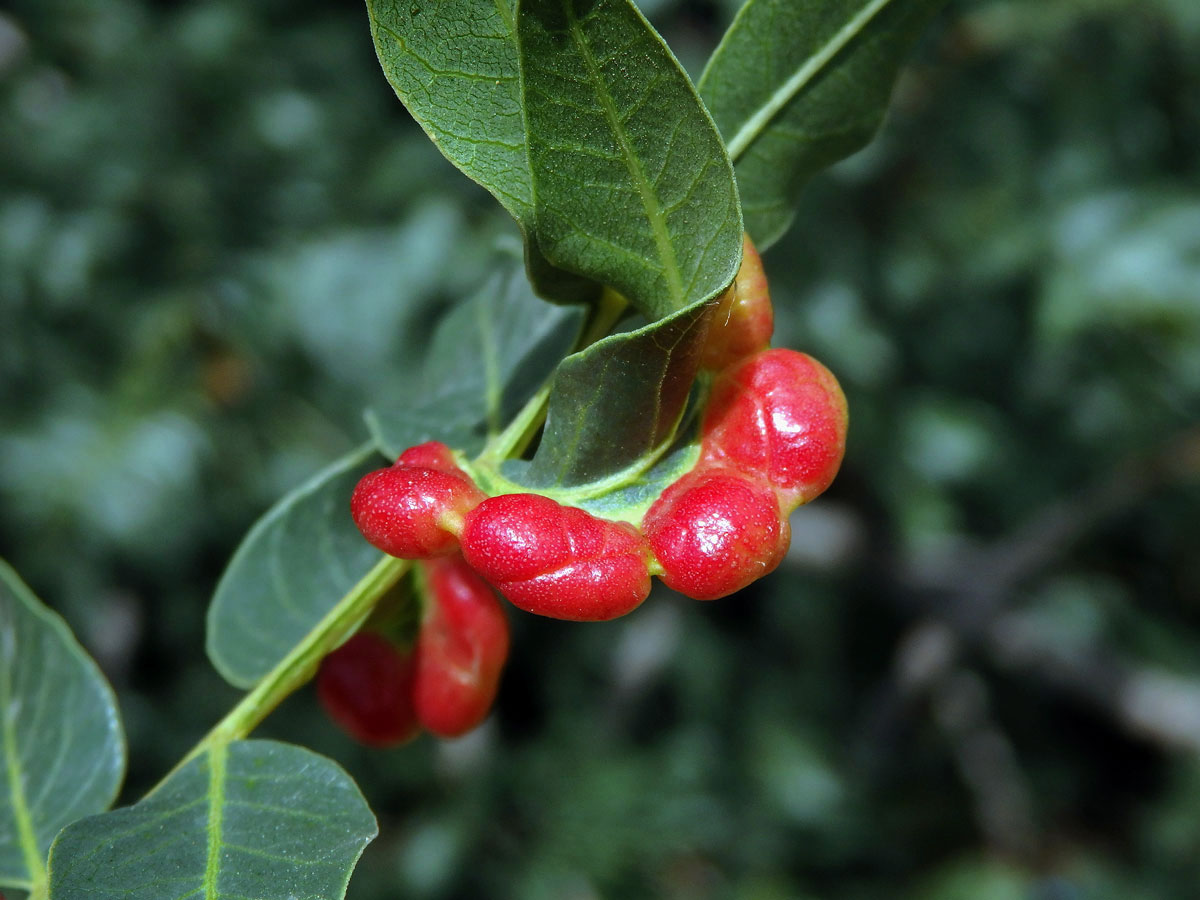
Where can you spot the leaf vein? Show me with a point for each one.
(216, 796)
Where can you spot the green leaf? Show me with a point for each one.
(487, 357)
(614, 407)
(417, 419)
(63, 748)
(454, 65)
(631, 183)
(796, 85)
(292, 567)
(249, 819)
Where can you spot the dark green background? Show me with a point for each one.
(978, 674)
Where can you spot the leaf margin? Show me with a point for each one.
(356, 456)
(24, 594)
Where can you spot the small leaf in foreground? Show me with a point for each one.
(291, 568)
(796, 85)
(254, 819)
(63, 749)
(631, 183)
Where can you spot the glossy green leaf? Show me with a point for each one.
(796, 85)
(251, 819)
(631, 183)
(295, 563)
(486, 358)
(62, 744)
(614, 407)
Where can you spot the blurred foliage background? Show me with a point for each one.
(978, 673)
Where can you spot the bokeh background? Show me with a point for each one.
(978, 673)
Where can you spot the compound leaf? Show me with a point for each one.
(291, 568)
(62, 744)
(631, 183)
(796, 85)
(254, 819)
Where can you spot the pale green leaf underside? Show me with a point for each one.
(631, 183)
(251, 819)
(62, 744)
(796, 85)
(291, 568)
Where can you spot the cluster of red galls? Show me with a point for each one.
(383, 691)
(772, 437)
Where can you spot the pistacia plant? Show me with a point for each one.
(604, 411)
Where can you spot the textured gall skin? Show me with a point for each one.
(714, 532)
(365, 686)
(556, 560)
(779, 416)
(413, 512)
(744, 320)
(431, 455)
(461, 649)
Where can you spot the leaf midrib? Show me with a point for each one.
(654, 213)
(217, 758)
(786, 92)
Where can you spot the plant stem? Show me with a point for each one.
(301, 663)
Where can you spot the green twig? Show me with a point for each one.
(301, 663)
